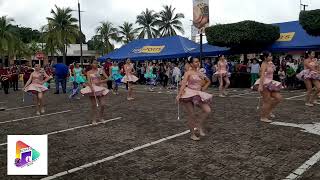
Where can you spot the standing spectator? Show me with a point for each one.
(176, 74)
(292, 68)
(106, 68)
(49, 71)
(4, 79)
(26, 73)
(14, 77)
(254, 70)
(208, 68)
(61, 74)
(282, 77)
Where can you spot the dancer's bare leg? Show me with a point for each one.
(206, 110)
(226, 79)
(266, 106)
(221, 88)
(315, 95)
(102, 104)
(276, 99)
(130, 89)
(40, 102)
(191, 119)
(37, 104)
(308, 84)
(93, 110)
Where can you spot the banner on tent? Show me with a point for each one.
(286, 37)
(201, 13)
(149, 49)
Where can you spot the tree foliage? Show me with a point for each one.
(107, 33)
(245, 34)
(310, 21)
(127, 32)
(169, 22)
(147, 21)
(63, 28)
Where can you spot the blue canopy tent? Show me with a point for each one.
(153, 49)
(294, 38)
(209, 50)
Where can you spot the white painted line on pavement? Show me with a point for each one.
(304, 94)
(113, 156)
(22, 107)
(238, 95)
(33, 117)
(304, 167)
(84, 126)
(78, 127)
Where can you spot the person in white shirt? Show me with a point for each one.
(176, 74)
(255, 69)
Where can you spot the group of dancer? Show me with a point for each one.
(192, 88)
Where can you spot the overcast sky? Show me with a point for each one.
(33, 13)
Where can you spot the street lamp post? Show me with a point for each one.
(79, 16)
(303, 5)
(81, 60)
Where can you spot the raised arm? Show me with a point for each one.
(47, 78)
(207, 84)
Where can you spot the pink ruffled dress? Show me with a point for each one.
(308, 73)
(129, 77)
(98, 89)
(222, 69)
(192, 93)
(36, 86)
(268, 83)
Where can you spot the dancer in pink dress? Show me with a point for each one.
(96, 92)
(191, 94)
(311, 76)
(268, 88)
(223, 75)
(129, 78)
(35, 85)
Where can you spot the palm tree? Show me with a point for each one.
(21, 50)
(107, 33)
(127, 33)
(148, 22)
(48, 37)
(169, 22)
(7, 37)
(64, 28)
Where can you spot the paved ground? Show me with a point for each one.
(238, 146)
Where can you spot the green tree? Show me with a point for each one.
(96, 43)
(245, 35)
(48, 37)
(7, 36)
(64, 28)
(21, 50)
(310, 21)
(83, 39)
(148, 24)
(127, 32)
(26, 34)
(108, 33)
(169, 22)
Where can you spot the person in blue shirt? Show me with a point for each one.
(61, 74)
(208, 68)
